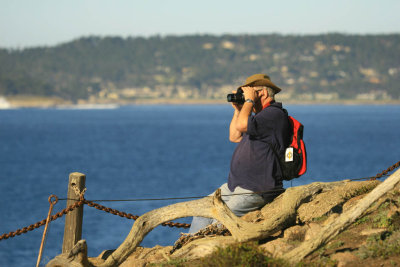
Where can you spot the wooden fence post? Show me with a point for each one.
(73, 219)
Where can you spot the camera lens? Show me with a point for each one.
(231, 97)
(236, 98)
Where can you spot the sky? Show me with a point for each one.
(30, 23)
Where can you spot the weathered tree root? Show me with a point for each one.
(214, 207)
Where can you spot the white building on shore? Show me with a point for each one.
(4, 104)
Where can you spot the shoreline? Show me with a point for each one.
(58, 103)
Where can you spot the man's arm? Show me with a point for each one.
(235, 136)
(245, 112)
(243, 117)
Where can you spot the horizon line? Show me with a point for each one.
(165, 35)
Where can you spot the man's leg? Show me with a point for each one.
(240, 202)
(201, 222)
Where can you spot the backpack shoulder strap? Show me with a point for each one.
(276, 155)
(281, 108)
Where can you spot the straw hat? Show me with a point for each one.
(261, 80)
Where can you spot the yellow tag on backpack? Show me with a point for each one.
(289, 154)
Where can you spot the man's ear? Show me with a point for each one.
(265, 91)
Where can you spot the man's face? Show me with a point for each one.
(258, 90)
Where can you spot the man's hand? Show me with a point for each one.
(249, 93)
(236, 106)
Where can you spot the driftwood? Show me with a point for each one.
(214, 207)
(344, 220)
(283, 215)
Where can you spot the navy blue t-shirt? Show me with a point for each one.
(254, 166)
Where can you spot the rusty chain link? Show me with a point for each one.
(130, 216)
(42, 222)
(117, 212)
(391, 168)
(76, 205)
(121, 213)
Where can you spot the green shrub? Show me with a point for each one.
(381, 246)
(173, 262)
(395, 222)
(321, 262)
(241, 254)
(320, 219)
(362, 220)
(381, 220)
(335, 245)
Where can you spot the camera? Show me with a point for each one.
(238, 97)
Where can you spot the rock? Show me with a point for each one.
(295, 233)
(369, 232)
(313, 230)
(142, 256)
(134, 263)
(276, 248)
(344, 259)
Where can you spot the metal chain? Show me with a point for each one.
(130, 216)
(214, 229)
(117, 212)
(76, 205)
(385, 172)
(42, 222)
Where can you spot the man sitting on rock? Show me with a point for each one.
(255, 176)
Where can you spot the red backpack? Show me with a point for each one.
(293, 162)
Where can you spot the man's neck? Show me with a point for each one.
(267, 102)
(263, 104)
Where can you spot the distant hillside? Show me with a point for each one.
(326, 67)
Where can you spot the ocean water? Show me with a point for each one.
(156, 152)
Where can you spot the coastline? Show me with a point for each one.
(17, 102)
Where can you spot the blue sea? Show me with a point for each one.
(156, 151)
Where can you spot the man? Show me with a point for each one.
(255, 176)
